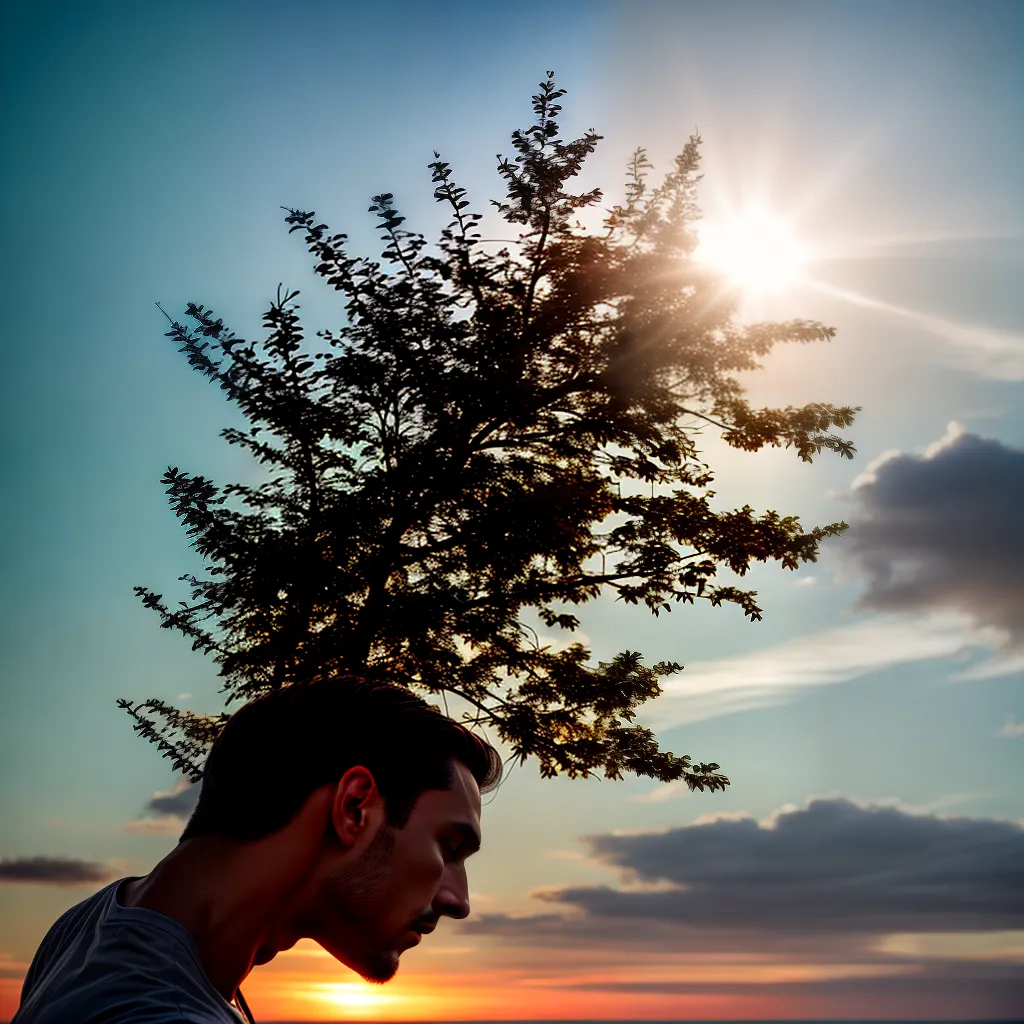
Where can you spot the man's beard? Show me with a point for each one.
(379, 967)
(356, 890)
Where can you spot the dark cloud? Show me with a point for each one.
(940, 989)
(853, 911)
(832, 868)
(52, 871)
(180, 801)
(943, 530)
(166, 813)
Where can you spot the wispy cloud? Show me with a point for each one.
(993, 668)
(11, 968)
(162, 825)
(1012, 729)
(659, 794)
(936, 538)
(988, 351)
(765, 678)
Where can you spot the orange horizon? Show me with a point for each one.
(319, 997)
(305, 984)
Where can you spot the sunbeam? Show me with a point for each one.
(989, 351)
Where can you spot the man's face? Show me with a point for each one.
(370, 911)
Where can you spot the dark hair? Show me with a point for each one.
(276, 750)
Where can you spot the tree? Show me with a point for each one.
(495, 437)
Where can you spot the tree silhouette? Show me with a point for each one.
(495, 437)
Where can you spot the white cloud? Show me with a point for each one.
(1012, 729)
(1001, 945)
(667, 791)
(954, 431)
(164, 825)
(987, 351)
(766, 678)
(992, 668)
(869, 475)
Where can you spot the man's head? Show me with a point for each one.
(382, 794)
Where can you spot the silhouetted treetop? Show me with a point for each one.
(496, 435)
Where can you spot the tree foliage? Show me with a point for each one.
(498, 433)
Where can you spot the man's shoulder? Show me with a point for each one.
(92, 996)
(63, 933)
(101, 961)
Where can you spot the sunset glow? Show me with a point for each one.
(353, 995)
(595, 985)
(490, 993)
(561, 417)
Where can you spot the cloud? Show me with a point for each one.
(1007, 663)
(180, 801)
(911, 990)
(165, 825)
(1012, 729)
(52, 871)
(834, 868)
(769, 677)
(937, 538)
(11, 968)
(987, 351)
(942, 531)
(659, 794)
(165, 813)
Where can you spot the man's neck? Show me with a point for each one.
(219, 891)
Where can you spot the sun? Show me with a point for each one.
(367, 1000)
(754, 251)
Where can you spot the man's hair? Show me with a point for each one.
(276, 750)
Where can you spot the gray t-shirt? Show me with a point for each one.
(102, 963)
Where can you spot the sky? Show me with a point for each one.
(866, 860)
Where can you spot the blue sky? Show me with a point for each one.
(149, 150)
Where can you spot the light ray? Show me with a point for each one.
(989, 351)
(875, 246)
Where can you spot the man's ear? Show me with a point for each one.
(358, 807)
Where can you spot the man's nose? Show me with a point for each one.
(453, 897)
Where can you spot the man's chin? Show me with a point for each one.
(379, 967)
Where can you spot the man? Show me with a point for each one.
(341, 811)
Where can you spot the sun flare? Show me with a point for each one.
(754, 251)
(352, 996)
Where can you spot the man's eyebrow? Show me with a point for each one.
(469, 836)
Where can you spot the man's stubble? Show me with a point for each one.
(356, 892)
